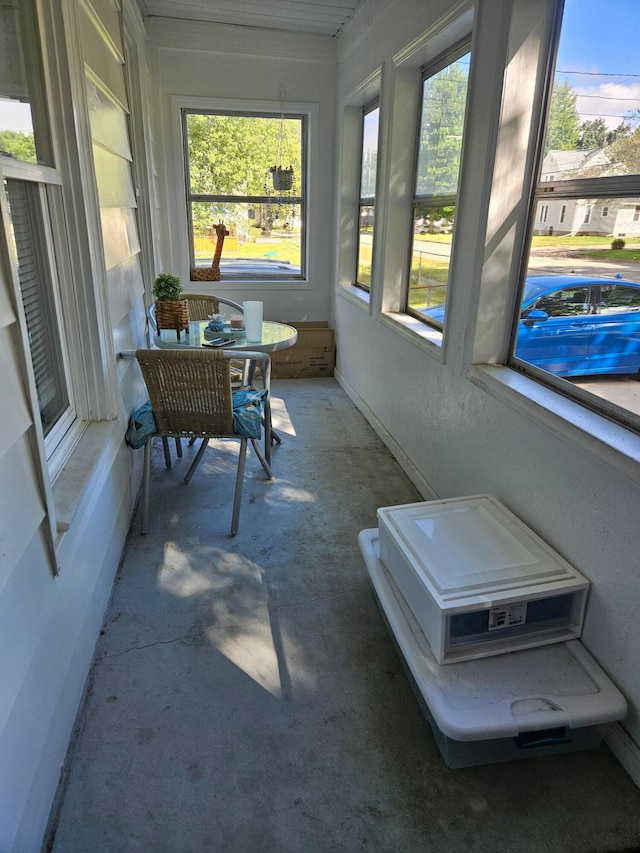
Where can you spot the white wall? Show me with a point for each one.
(241, 65)
(461, 429)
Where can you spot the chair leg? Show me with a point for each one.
(179, 448)
(146, 482)
(268, 433)
(196, 461)
(167, 452)
(261, 457)
(237, 498)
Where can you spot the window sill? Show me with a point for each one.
(228, 284)
(78, 476)
(415, 331)
(356, 295)
(600, 437)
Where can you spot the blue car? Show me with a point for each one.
(573, 325)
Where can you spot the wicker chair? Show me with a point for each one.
(190, 393)
(202, 305)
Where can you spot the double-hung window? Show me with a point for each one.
(583, 229)
(367, 195)
(32, 208)
(246, 171)
(439, 149)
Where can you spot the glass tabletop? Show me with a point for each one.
(275, 336)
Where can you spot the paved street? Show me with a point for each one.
(553, 260)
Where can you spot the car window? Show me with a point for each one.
(618, 299)
(568, 302)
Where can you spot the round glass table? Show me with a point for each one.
(275, 336)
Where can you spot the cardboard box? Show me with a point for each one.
(313, 355)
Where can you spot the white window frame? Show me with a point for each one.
(177, 233)
(593, 189)
(366, 201)
(445, 59)
(533, 31)
(354, 102)
(46, 183)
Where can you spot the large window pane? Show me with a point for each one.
(444, 94)
(246, 171)
(594, 119)
(368, 174)
(430, 260)
(365, 245)
(23, 131)
(578, 314)
(27, 228)
(264, 239)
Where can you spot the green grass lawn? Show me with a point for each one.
(281, 250)
(615, 254)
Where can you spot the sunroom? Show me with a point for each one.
(417, 216)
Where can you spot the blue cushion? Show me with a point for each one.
(247, 411)
(142, 426)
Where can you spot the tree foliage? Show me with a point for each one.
(626, 150)
(443, 109)
(564, 122)
(232, 154)
(592, 134)
(20, 145)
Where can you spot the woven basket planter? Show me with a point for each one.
(172, 314)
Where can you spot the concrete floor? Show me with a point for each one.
(246, 696)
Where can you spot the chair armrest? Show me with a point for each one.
(230, 302)
(151, 315)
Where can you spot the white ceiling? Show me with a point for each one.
(315, 17)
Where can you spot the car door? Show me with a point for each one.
(615, 343)
(554, 332)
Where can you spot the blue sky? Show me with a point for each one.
(600, 41)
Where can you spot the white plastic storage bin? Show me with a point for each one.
(527, 703)
(478, 580)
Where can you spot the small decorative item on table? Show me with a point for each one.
(216, 323)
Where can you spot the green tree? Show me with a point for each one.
(231, 155)
(592, 134)
(622, 130)
(564, 122)
(626, 150)
(19, 145)
(443, 109)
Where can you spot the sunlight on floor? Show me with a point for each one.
(237, 619)
(280, 416)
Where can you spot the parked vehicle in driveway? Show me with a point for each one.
(573, 325)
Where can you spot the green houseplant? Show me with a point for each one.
(172, 312)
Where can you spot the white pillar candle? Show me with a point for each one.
(253, 321)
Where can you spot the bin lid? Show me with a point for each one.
(465, 546)
(502, 696)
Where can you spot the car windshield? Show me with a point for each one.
(534, 289)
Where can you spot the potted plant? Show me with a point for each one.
(172, 312)
(282, 178)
